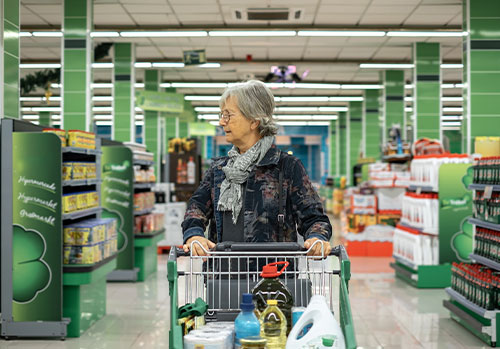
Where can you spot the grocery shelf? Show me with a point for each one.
(422, 276)
(76, 150)
(82, 213)
(149, 235)
(406, 262)
(427, 232)
(86, 268)
(426, 188)
(396, 158)
(143, 212)
(80, 182)
(143, 162)
(146, 185)
(477, 186)
(488, 314)
(486, 261)
(484, 224)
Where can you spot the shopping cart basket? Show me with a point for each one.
(225, 273)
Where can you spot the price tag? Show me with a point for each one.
(488, 190)
(419, 190)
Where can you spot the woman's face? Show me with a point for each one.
(240, 131)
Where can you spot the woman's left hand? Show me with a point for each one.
(322, 248)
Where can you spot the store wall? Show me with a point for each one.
(9, 51)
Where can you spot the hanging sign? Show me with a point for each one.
(37, 227)
(201, 129)
(193, 57)
(160, 101)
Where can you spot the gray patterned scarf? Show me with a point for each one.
(237, 170)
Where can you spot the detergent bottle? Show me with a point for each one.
(322, 322)
(270, 287)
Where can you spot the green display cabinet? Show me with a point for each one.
(423, 276)
(84, 294)
(146, 258)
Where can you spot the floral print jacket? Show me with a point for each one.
(303, 209)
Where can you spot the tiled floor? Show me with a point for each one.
(387, 313)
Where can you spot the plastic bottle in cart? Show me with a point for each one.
(270, 287)
(323, 324)
(246, 324)
(273, 326)
(191, 171)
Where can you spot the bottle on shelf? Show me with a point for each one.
(191, 171)
(246, 323)
(180, 174)
(273, 325)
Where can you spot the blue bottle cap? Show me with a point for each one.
(247, 302)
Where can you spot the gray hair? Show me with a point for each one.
(256, 102)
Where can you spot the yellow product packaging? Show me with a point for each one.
(69, 203)
(90, 172)
(114, 245)
(67, 168)
(66, 254)
(82, 201)
(78, 170)
(93, 199)
(487, 146)
(187, 324)
(60, 133)
(69, 235)
(88, 254)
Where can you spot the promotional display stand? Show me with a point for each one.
(454, 238)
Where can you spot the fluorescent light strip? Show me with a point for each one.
(102, 65)
(104, 34)
(101, 109)
(39, 99)
(102, 98)
(39, 65)
(31, 117)
(47, 34)
(101, 85)
(340, 33)
(25, 34)
(284, 109)
(303, 123)
(453, 109)
(37, 109)
(252, 33)
(207, 109)
(403, 66)
(451, 117)
(163, 34)
(452, 66)
(426, 33)
(452, 99)
(453, 123)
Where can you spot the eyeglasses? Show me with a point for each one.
(225, 117)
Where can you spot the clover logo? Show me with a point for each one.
(31, 274)
(461, 242)
(468, 178)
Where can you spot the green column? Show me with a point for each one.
(45, 118)
(171, 131)
(481, 59)
(9, 59)
(333, 148)
(371, 124)
(342, 143)
(124, 92)
(152, 119)
(427, 92)
(76, 75)
(394, 108)
(355, 139)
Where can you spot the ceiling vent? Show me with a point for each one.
(268, 14)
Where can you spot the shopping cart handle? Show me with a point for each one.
(181, 253)
(258, 246)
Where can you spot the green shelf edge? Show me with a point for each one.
(428, 276)
(75, 279)
(146, 242)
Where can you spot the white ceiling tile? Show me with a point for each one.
(452, 53)
(52, 19)
(356, 53)
(393, 53)
(209, 41)
(327, 41)
(383, 20)
(171, 41)
(452, 74)
(365, 41)
(337, 19)
(390, 9)
(171, 52)
(194, 73)
(344, 9)
(151, 19)
(438, 10)
(151, 8)
(32, 20)
(457, 20)
(321, 52)
(111, 9)
(429, 19)
(186, 9)
(287, 53)
(218, 52)
(49, 9)
(38, 53)
(103, 19)
(144, 52)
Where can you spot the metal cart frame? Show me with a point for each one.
(208, 280)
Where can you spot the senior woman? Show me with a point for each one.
(239, 195)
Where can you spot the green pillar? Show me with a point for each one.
(371, 124)
(393, 95)
(124, 92)
(427, 91)
(355, 139)
(9, 59)
(333, 148)
(77, 57)
(45, 118)
(152, 119)
(342, 143)
(481, 59)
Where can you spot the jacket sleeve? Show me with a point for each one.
(199, 209)
(308, 212)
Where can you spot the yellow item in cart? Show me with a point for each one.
(60, 133)
(67, 169)
(69, 203)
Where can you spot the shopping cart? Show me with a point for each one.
(220, 277)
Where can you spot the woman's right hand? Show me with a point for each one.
(197, 250)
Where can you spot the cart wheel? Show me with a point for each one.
(63, 339)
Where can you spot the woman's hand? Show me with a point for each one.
(197, 250)
(322, 248)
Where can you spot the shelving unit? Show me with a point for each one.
(143, 212)
(451, 189)
(82, 213)
(145, 253)
(139, 185)
(80, 182)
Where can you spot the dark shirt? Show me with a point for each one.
(230, 231)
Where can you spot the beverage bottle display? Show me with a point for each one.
(246, 324)
(180, 179)
(191, 171)
(270, 287)
(273, 325)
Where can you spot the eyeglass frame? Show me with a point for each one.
(225, 117)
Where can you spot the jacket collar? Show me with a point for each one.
(272, 157)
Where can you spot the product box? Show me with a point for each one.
(67, 168)
(487, 146)
(69, 203)
(363, 204)
(81, 139)
(60, 133)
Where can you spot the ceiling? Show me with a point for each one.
(321, 59)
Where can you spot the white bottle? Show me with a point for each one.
(323, 323)
(191, 174)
